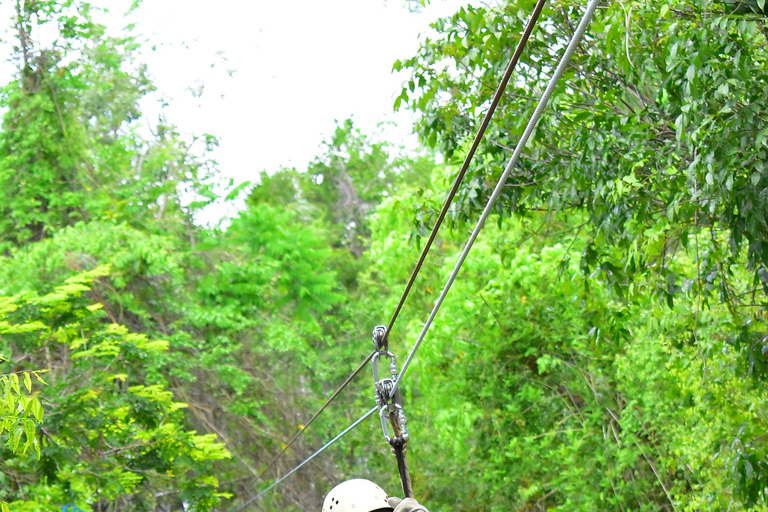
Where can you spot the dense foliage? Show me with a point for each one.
(658, 132)
(603, 349)
(111, 426)
(632, 379)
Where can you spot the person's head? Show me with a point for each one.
(356, 495)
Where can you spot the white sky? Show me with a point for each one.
(276, 74)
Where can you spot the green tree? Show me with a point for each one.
(112, 434)
(69, 149)
(534, 391)
(345, 183)
(656, 132)
(650, 165)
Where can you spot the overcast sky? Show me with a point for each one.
(274, 75)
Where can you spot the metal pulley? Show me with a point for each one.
(389, 402)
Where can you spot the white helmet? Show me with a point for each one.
(356, 495)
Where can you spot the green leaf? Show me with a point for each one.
(14, 381)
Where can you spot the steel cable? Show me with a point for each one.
(314, 416)
(306, 461)
(575, 40)
(443, 212)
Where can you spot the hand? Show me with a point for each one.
(406, 505)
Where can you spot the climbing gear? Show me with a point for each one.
(356, 495)
(390, 405)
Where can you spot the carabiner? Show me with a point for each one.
(389, 403)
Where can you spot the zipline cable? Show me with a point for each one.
(314, 416)
(305, 461)
(575, 40)
(443, 212)
(468, 159)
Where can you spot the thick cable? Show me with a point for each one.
(306, 461)
(575, 40)
(468, 159)
(314, 416)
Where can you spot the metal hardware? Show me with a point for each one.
(389, 403)
(380, 339)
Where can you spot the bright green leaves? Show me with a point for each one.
(276, 249)
(112, 428)
(20, 410)
(114, 340)
(20, 407)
